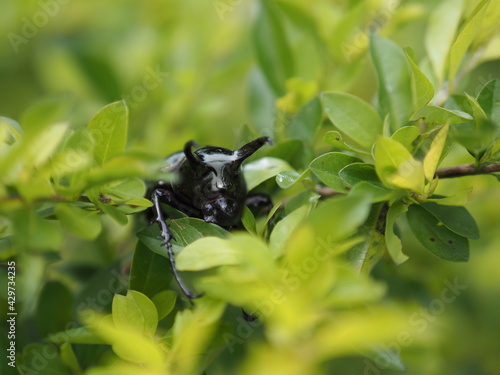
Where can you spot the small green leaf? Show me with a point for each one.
(376, 193)
(151, 273)
(248, 220)
(285, 227)
(433, 115)
(393, 243)
(82, 223)
(489, 100)
(305, 124)
(209, 252)
(407, 135)
(287, 179)
(465, 37)
(185, 230)
(114, 213)
(327, 167)
(455, 218)
(338, 218)
(353, 116)
(263, 169)
(442, 26)
(433, 156)
(271, 45)
(460, 198)
(394, 79)
(33, 232)
(437, 238)
(307, 197)
(367, 253)
(108, 129)
(422, 88)
(128, 189)
(335, 139)
(45, 112)
(396, 167)
(68, 356)
(355, 173)
(135, 311)
(11, 130)
(164, 302)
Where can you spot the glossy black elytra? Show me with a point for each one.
(209, 186)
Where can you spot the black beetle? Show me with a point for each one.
(209, 186)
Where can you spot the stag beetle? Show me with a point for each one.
(210, 186)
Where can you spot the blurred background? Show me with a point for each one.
(189, 70)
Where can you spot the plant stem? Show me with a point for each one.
(467, 170)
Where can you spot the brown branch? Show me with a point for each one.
(467, 170)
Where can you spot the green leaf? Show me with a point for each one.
(45, 112)
(433, 115)
(108, 129)
(135, 311)
(128, 189)
(422, 88)
(350, 212)
(271, 46)
(335, 139)
(353, 116)
(355, 173)
(393, 243)
(394, 81)
(376, 193)
(68, 356)
(185, 230)
(269, 216)
(437, 238)
(459, 198)
(38, 149)
(11, 130)
(282, 231)
(407, 135)
(306, 122)
(396, 167)
(327, 167)
(248, 220)
(52, 364)
(287, 179)
(307, 197)
(367, 253)
(114, 213)
(82, 223)
(465, 37)
(54, 308)
(33, 232)
(151, 273)
(127, 342)
(164, 302)
(433, 156)
(209, 252)
(263, 169)
(489, 100)
(440, 34)
(455, 218)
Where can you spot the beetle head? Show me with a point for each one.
(214, 177)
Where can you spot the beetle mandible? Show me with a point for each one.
(209, 186)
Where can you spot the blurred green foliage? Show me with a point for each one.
(365, 97)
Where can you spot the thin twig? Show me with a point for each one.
(467, 170)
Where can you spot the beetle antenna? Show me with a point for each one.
(246, 150)
(188, 151)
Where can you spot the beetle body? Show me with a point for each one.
(209, 186)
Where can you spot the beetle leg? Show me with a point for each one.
(167, 237)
